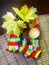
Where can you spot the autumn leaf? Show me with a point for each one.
(25, 13)
(13, 26)
(8, 16)
(16, 26)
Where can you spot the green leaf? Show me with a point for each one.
(34, 9)
(34, 16)
(8, 16)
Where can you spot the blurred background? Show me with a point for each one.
(5, 5)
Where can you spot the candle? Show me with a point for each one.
(34, 33)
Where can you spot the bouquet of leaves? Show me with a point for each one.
(16, 24)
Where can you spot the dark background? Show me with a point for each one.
(5, 5)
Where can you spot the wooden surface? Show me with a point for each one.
(7, 58)
(44, 40)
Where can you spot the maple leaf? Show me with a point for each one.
(25, 13)
(8, 16)
(13, 26)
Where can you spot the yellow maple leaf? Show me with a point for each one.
(25, 13)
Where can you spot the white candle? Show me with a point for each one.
(34, 33)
